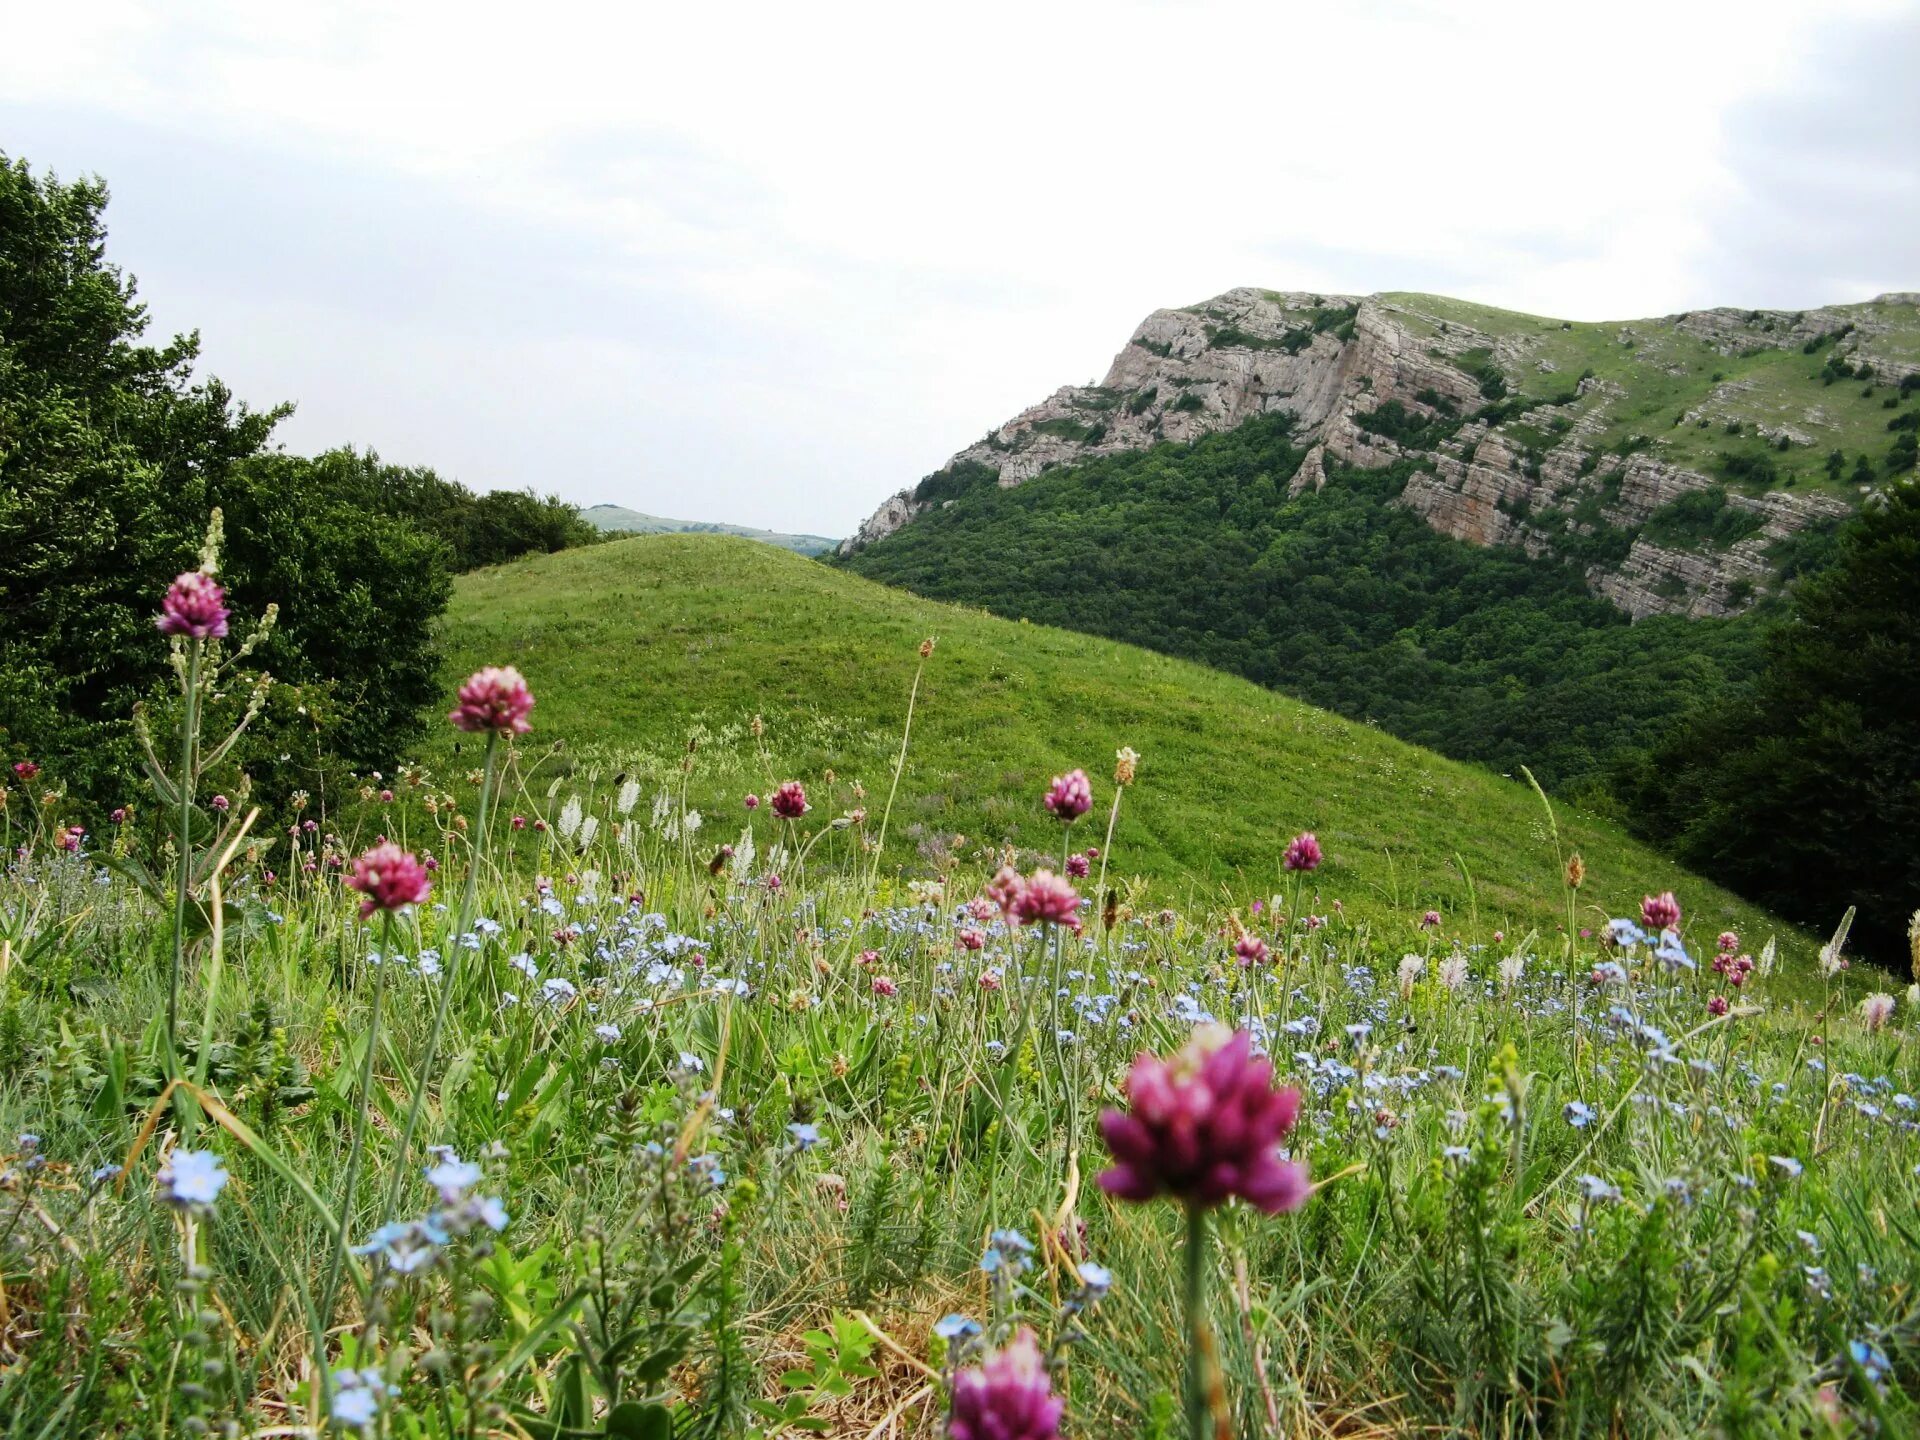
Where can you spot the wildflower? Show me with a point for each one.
(1876, 1010)
(1870, 1358)
(452, 1176)
(1787, 1166)
(1007, 1250)
(607, 1034)
(1204, 1126)
(121, 815)
(1096, 1279)
(1579, 1114)
(70, 839)
(389, 879)
(1453, 971)
(1078, 866)
(883, 986)
(1729, 942)
(1430, 920)
(1070, 796)
(1592, 1187)
(192, 1179)
(495, 701)
(956, 1327)
(1010, 1397)
(1046, 899)
(971, 939)
(1303, 852)
(1576, 871)
(1004, 889)
(752, 802)
(194, 606)
(1625, 934)
(357, 1397)
(1412, 967)
(25, 769)
(1672, 953)
(790, 800)
(1126, 761)
(406, 1245)
(1717, 1006)
(805, 1136)
(221, 803)
(1511, 969)
(1251, 950)
(1660, 912)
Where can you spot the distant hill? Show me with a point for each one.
(634, 646)
(619, 518)
(1679, 462)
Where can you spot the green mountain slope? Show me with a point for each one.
(1342, 597)
(619, 519)
(635, 645)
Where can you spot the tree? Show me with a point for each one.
(1804, 792)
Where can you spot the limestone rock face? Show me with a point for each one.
(895, 512)
(1485, 474)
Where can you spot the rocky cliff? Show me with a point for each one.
(1675, 459)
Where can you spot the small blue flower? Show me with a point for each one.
(956, 1327)
(1097, 1279)
(451, 1176)
(192, 1179)
(1870, 1358)
(1625, 933)
(1579, 1114)
(1787, 1166)
(357, 1397)
(805, 1136)
(1595, 1188)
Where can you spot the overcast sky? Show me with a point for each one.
(769, 264)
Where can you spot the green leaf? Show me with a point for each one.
(640, 1420)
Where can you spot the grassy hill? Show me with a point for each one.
(619, 519)
(634, 645)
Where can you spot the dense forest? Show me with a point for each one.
(1761, 749)
(112, 454)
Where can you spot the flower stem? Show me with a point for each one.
(183, 879)
(1196, 1386)
(365, 1094)
(450, 974)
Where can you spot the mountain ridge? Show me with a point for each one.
(618, 519)
(1715, 430)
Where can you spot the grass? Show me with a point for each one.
(718, 1135)
(636, 645)
(743, 1178)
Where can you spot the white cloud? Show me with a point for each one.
(770, 263)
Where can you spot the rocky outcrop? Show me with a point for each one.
(895, 512)
(1506, 476)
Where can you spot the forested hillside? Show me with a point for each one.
(1339, 596)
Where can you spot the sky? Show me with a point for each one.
(769, 264)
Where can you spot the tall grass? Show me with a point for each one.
(731, 1136)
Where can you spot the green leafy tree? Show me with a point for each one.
(1803, 791)
(112, 453)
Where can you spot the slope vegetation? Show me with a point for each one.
(635, 647)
